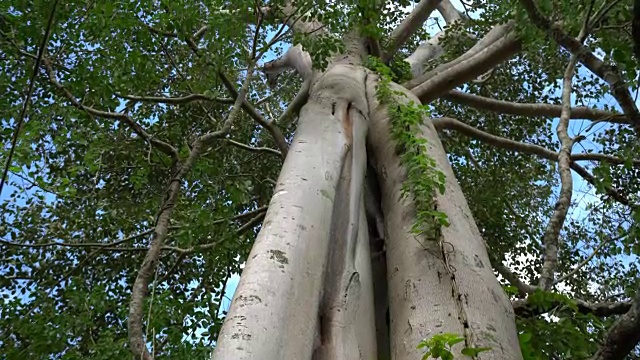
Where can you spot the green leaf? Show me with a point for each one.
(473, 352)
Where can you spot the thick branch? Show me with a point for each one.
(432, 49)
(293, 18)
(300, 60)
(446, 77)
(409, 26)
(556, 221)
(523, 289)
(296, 104)
(295, 58)
(450, 13)
(606, 72)
(531, 110)
(508, 144)
(495, 34)
(624, 334)
(150, 262)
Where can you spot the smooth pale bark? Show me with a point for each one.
(408, 26)
(307, 289)
(495, 35)
(432, 49)
(365, 322)
(274, 312)
(347, 328)
(420, 289)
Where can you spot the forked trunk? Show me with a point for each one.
(308, 287)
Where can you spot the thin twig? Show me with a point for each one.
(64, 244)
(588, 259)
(253, 149)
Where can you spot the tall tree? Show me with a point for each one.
(383, 192)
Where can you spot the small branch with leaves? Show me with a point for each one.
(122, 116)
(179, 100)
(150, 262)
(606, 72)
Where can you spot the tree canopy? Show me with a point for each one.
(111, 112)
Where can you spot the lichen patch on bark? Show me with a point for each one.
(279, 256)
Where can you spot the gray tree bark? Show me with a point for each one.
(307, 289)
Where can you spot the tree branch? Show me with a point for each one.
(260, 214)
(606, 72)
(531, 109)
(556, 221)
(176, 100)
(508, 144)
(150, 262)
(608, 190)
(409, 26)
(272, 128)
(27, 100)
(523, 289)
(450, 13)
(588, 259)
(309, 28)
(295, 58)
(495, 34)
(623, 336)
(296, 104)
(431, 49)
(428, 50)
(124, 117)
(522, 308)
(448, 76)
(253, 149)
(64, 244)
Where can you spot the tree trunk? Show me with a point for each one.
(308, 287)
(422, 294)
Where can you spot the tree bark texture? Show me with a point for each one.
(312, 286)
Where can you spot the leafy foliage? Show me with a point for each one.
(440, 346)
(91, 183)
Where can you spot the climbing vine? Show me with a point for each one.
(423, 179)
(423, 175)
